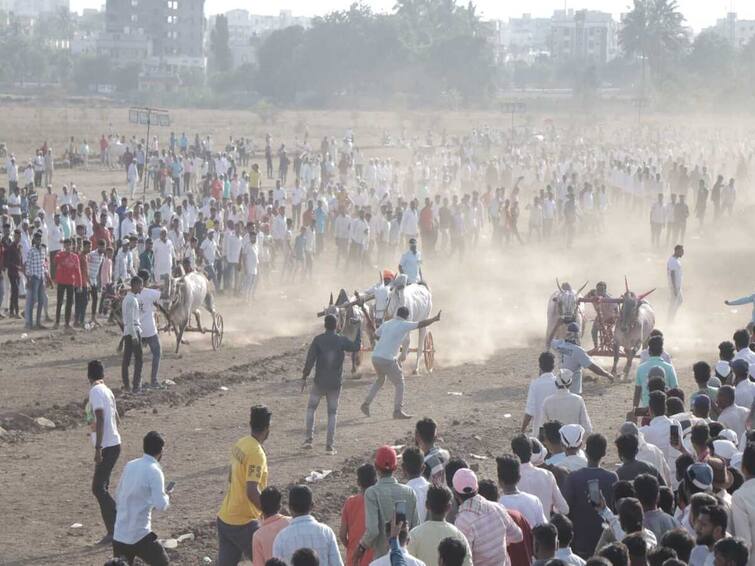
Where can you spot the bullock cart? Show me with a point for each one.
(345, 315)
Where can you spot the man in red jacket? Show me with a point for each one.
(67, 277)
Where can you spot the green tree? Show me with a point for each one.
(221, 60)
(653, 31)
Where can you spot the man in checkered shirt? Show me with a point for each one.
(34, 268)
(305, 532)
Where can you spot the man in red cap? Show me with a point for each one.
(380, 292)
(384, 500)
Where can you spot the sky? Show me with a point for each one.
(699, 13)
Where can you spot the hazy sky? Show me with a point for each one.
(699, 13)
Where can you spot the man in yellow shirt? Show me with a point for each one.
(238, 516)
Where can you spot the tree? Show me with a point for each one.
(653, 31)
(222, 60)
(711, 57)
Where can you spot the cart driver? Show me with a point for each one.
(607, 313)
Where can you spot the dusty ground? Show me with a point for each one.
(488, 341)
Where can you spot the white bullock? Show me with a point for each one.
(563, 309)
(418, 299)
(192, 291)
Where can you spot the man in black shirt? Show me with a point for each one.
(326, 355)
(627, 446)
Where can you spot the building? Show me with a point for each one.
(737, 32)
(527, 33)
(245, 31)
(34, 8)
(174, 30)
(586, 36)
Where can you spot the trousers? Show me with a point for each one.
(156, 349)
(132, 347)
(235, 542)
(33, 298)
(390, 369)
(101, 485)
(147, 549)
(67, 292)
(315, 395)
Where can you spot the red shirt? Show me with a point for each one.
(100, 232)
(426, 219)
(67, 269)
(352, 515)
(520, 553)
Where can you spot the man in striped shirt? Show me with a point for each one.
(34, 268)
(486, 525)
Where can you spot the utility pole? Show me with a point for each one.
(148, 116)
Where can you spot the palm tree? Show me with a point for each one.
(653, 30)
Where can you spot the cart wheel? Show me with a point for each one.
(429, 352)
(217, 331)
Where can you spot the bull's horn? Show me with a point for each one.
(645, 295)
(330, 304)
(558, 284)
(582, 287)
(626, 283)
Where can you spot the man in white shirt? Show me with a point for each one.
(390, 336)
(342, 231)
(411, 263)
(359, 234)
(164, 254)
(55, 242)
(148, 299)
(649, 453)
(232, 243)
(657, 220)
(674, 272)
(250, 260)
(658, 432)
(565, 406)
(305, 532)
(411, 464)
(742, 344)
(141, 489)
(540, 389)
(512, 498)
(731, 415)
(744, 388)
(410, 221)
(537, 481)
(132, 335)
(209, 249)
(103, 416)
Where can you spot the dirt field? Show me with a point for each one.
(488, 341)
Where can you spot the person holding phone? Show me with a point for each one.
(384, 500)
(141, 489)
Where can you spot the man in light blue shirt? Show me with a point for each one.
(305, 532)
(655, 351)
(142, 488)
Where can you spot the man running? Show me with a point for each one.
(385, 358)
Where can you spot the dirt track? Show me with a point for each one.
(487, 354)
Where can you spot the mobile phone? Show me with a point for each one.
(400, 511)
(170, 486)
(593, 491)
(641, 411)
(674, 434)
(541, 433)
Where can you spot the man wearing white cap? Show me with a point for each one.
(572, 436)
(486, 525)
(565, 406)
